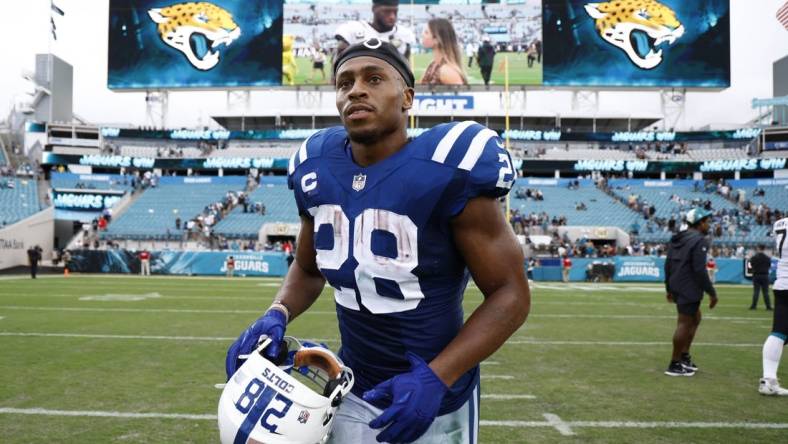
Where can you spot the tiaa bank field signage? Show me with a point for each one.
(639, 269)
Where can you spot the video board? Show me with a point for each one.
(167, 44)
(637, 43)
(480, 33)
(225, 44)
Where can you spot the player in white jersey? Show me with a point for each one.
(773, 347)
(384, 26)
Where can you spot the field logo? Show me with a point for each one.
(197, 30)
(638, 27)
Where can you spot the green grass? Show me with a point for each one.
(552, 358)
(519, 73)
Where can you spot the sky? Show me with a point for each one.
(757, 40)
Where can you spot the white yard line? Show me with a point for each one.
(494, 397)
(92, 413)
(624, 343)
(504, 377)
(552, 421)
(333, 341)
(637, 424)
(743, 319)
(556, 422)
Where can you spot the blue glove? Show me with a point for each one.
(416, 397)
(273, 324)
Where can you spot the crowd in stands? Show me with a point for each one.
(736, 219)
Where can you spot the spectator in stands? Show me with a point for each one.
(178, 223)
(229, 264)
(486, 59)
(33, 258)
(760, 264)
(144, 263)
(446, 66)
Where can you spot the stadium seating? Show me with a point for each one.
(153, 214)
(280, 207)
(601, 210)
(775, 196)
(158, 151)
(19, 201)
(257, 149)
(660, 198)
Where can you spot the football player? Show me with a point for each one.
(384, 26)
(397, 227)
(773, 347)
(686, 280)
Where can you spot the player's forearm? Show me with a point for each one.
(300, 289)
(486, 330)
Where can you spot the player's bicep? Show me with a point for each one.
(489, 247)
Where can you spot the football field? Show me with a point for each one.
(110, 359)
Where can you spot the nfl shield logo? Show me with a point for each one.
(303, 417)
(359, 181)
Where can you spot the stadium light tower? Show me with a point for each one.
(157, 108)
(674, 103)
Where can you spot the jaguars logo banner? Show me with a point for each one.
(167, 44)
(637, 43)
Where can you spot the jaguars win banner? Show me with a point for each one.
(637, 43)
(167, 44)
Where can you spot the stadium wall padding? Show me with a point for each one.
(635, 269)
(17, 238)
(183, 263)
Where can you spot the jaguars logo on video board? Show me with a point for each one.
(640, 28)
(197, 30)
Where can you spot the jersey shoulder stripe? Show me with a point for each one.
(313, 147)
(448, 140)
(476, 148)
(459, 144)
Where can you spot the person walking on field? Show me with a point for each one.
(566, 267)
(230, 265)
(144, 263)
(760, 264)
(686, 279)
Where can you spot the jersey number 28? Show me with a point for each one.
(374, 271)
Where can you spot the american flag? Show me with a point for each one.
(782, 15)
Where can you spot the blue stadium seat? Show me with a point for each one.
(152, 215)
(18, 202)
(560, 201)
(280, 207)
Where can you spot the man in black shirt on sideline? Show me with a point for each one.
(686, 280)
(760, 264)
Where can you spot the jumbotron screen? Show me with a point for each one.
(221, 44)
(637, 43)
(462, 39)
(167, 44)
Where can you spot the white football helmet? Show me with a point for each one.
(264, 402)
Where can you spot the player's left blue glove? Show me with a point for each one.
(273, 324)
(416, 397)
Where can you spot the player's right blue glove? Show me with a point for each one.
(272, 324)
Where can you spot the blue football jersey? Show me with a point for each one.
(384, 243)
